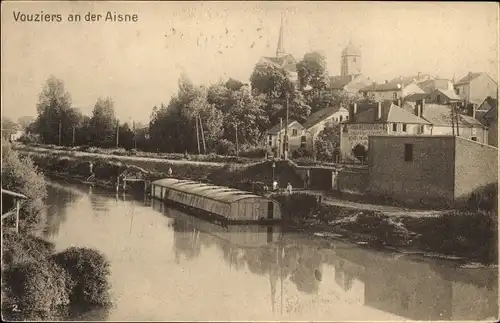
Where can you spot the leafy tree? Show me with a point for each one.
(9, 126)
(360, 152)
(54, 109)
(312, 71)
(103, 123)
(327, 144)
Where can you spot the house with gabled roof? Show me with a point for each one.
(432, 84)
(275, 137)
(443, 96)
(351, 84)
(475, 87)
(385, 118)
(317, 122)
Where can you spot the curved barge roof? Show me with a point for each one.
(219, 193)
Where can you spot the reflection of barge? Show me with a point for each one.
(225, 204)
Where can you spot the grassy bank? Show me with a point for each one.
(471, 236)
(38, 283)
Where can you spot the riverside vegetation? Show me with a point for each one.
(37, 282)
(469, 233)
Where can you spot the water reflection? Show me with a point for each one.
(258, 272)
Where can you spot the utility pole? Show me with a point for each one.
(197, 136)
(135, 141)
(117, 133)
(236, 139)
(286, 129)
(202, 136)
(60, 126)
(280, 142)
(73, 136)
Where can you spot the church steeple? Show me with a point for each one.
(280, 51)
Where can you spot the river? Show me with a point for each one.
(167, 265)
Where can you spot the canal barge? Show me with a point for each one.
(225, 204)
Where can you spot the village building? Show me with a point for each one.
(433, 84)
(317, 122)
(275, 138)
(349, 84)
(395, 89)
(441, 121)
(432, 170)
(475, 87)
(487, 114)
(443, 96)
(382, 118)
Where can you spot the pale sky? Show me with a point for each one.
(138, 64)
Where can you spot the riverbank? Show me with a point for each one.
(469, 236)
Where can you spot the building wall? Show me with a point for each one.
(466, 132)
(353, 181)
(476, 166)
(273, 141)
(493, 133)
(463, 91)
(312, 133)
(411, 89)
(437, 97)
(357, 133)
(482, 87)
(429, 176)
(350, 65)
(385, 95)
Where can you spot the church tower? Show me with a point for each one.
(350, 63)
(280, 50)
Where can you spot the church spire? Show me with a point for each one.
(280, 51)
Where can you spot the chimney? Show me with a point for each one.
(355, 108)
(379, 110)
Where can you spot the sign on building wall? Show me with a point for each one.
(359, 133)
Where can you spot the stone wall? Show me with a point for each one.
(353, 181)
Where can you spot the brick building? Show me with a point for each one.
(435, 170)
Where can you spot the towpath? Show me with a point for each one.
(386, 209)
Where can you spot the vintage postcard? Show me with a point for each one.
(249, 161)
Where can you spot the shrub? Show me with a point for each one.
(225, 147)
(36, 289)
(360, 152)
(20, 175)
(300, 153)
(29, 138)
(89, 271)
(18, 249)
(253, 152)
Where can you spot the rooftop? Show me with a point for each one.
(440, 115)
(320, 115)
(469, 77)
(390, 113)
(219, 193)
(276, 128)
(339, 82)
(351, 50)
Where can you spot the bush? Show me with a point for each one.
(20, 175)
(360, 152)
(484, 199)
(18, 249)
(297, 206)
(89, 271)
(300, 153)
(253, 152)
(29, 139)
(36, 290)
(225, 147)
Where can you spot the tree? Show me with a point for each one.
(103, 123)
(8, 126)
(312, 71)
(360, 152)
(53, 109)
(327, 144)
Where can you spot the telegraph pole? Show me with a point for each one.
(60, 126)
(202, 136)
(236, 139)
(197, 136)
(117, 132)
(135, 141)
(73, 136)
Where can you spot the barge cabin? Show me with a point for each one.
(227, 204)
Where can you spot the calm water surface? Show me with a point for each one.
(168, 265)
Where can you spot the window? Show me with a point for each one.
(303, 141)
(395, 95)
(473, 138)
(439, 98)
(270, 140)
(457, 91)
(404, 127)
(394, 127)
(340, 118)
(421, 129)
(347, 117)
(408, 152)
(294, 132)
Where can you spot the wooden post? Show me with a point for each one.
(197, 136)
(286, 130)
(236, 139)
(202, 136)
(17, 215)
(60, 126)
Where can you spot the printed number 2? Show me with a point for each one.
(14, 308)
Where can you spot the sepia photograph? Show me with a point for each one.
(272, 161)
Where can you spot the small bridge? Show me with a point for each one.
(16, 198)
